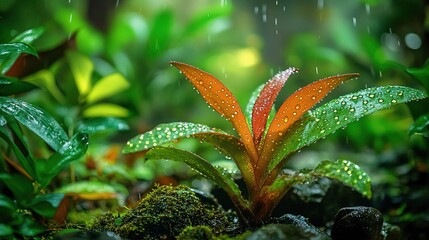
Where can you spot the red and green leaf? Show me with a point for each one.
(220, 99)
(294, 107)
(264, 103)
(337, 114)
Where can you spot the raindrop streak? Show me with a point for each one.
(368, 9)
(117, 3)
(354, 21)
(317, 70)
(320, 4)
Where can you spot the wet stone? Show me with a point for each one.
(357, 223)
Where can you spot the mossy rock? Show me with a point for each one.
(163, 214)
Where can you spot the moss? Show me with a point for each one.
(195, 233)
(163, 214)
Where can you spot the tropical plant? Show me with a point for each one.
(265, 143)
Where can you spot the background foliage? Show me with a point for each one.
(243, 43)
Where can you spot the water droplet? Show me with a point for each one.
(285, 119)
(380, 100)
(394, 101)
(297, 106)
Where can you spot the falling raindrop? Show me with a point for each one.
(317, 70)
(368, 9)
(354, 21)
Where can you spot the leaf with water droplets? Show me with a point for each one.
(9, 53)
(102, 124)
(35, 119)
(71, 150)
(221, 99)
(264, 103)
(204, 167)
(295, 106)
(11, 86)
(337, 114)
(347, 173)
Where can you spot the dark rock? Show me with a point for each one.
(390, 232)
(357, 223)
(287, 231)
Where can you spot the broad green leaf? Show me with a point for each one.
(6, 202)
(9, 53)
(105, 110)
(72, 150)
(107, 86)
(46, 204)
(166, 133)
(29, 35)
(160, 34)
(10, 86)
(337, 114)
(26, 162)
(20, 186)
(205, 168)
(36, 120)
(86, 187)
(265, 101)
(45, 79)
(6, 230)
(420, 126)
(347, 173)
(293, 108)
(102, 124)
(171, 132)
(81, 67)
(222, 100)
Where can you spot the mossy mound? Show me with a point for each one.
(163, 214)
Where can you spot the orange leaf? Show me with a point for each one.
(295, 106)
(221, 100)
(265, 101)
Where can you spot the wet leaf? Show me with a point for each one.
(72, 150)
(420, 126)
(35, 119)
(9, 53)
(107, 86)
(46, 204)
(265, 101)
(102, 124)
(29, 35)
(205, 168)
(221, 99)
(294, 107)
(347, 173)
(337, 114)
(81, 68)
(20, 186)
(105, 110)
(11, 86)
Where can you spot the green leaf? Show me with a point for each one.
(107, 86)
(171, 132)
(337, 114)
(6, 204)
(102, 124)
(205, 168)
(36, 120)
(30, 227)
(81, 68)
(46, 204)
(5, 230)
(21, 187)
(9, 53)
(29, 35)
(86, 187)
(72, 150)
(347, 173)
(10, 86)
(45, 79)
(105, 110)
(166, 133)
(160, 34)
(420, 126)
